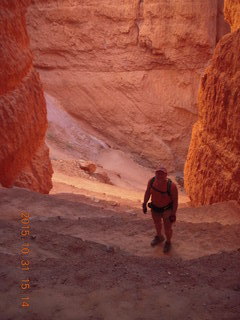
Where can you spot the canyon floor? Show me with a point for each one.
(90, 255)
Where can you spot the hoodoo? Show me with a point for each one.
(212, 170)
(24, 158)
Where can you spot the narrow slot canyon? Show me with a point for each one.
(95, 96)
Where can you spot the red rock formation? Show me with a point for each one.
(22, 106)
(129, 68)
(232, 13)
(212, 170)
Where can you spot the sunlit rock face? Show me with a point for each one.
(129, 68)
(212, 170)
(232, 13)
(22, 106)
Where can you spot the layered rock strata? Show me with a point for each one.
(23, 120)
(212, 170)
(128, 68)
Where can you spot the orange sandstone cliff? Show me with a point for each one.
(212, 169)
(128, 68)
(24, 158)
(232, 13)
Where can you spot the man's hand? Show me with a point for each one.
(144, 208)
(172, 218)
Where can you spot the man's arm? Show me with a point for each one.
(146, 197)
(147, 193)
(174, 196)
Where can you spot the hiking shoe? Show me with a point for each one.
(167, 247)
(156, 240)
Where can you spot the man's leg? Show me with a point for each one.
(168, 230)
(158, 223)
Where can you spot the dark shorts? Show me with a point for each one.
(165, 216)
(160, 210)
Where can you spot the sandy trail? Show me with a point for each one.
(92, 260)
(198, 231)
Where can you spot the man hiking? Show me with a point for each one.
(164, 203)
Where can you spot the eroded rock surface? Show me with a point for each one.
(22, 106)
(212, 171)
(232, 13)
(128, 68)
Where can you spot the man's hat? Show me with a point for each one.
(161, 169)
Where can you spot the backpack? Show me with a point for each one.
(169, 184)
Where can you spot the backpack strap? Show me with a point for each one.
(151, 182)
(169, 184)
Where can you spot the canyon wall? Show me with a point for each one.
(24, 159)
(128, 68)
(232, 13)
(212, 170)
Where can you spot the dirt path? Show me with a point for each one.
(91, 259)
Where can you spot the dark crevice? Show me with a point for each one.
(139, 18)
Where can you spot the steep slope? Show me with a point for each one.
(93, 261)
(128, 68)
(212, 170)
(24, 159)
